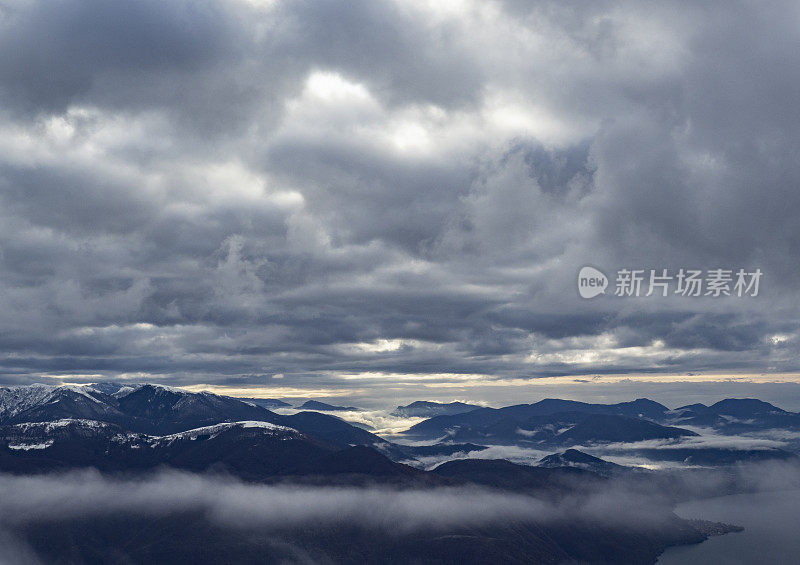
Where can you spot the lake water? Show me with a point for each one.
(771, 522)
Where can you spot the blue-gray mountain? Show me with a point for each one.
(565, 422)
(426, 409)
(735, 416)
(579, 460)
(325, 407)
(269, 403)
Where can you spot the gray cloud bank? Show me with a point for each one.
(224, 191)
(278, 512)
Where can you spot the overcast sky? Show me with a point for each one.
(320, 195)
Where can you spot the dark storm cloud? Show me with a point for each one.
(386, 45)
(59, 52)
(220, 191)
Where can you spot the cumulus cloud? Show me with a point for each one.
(217, 192)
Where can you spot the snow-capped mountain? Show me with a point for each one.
(17, 399)
(251, 450)
(143, 408)
(159, 410)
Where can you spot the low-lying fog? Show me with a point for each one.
(235, 505)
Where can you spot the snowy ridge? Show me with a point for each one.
(123, 391)
(16, 399)
(30, 446)
(82, 390)
(213, 431)
(166, 388)
(115, 389)
(39, 433)
(48, 427)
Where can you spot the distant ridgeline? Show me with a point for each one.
(115, 427)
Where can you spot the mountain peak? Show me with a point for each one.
(429, 409)
(325, 407)
(579, 460)
(744, 407)
(216, 429)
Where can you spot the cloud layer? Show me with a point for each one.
(284, 513)
(280, 512)
(222, 192)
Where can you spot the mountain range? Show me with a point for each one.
(563, 422)
(129, 430)
(132, 418)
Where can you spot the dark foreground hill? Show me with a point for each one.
(189, 537)
(250, 450)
